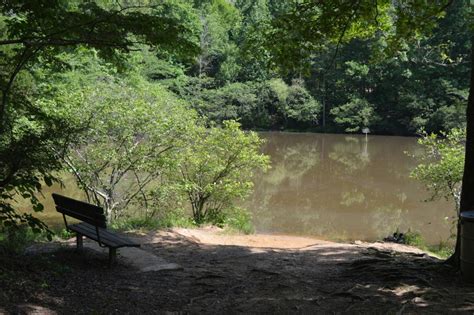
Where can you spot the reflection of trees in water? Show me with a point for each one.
(351, 154)
(292, 161)
(349, 198)
(338, 187)
(387, 219)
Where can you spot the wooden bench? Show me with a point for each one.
(93, 225)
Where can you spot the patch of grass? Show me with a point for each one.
(176, 218)
(170, 219)
(61, 234)
(232, 219)
(235, 219)
(442, 250)
(414, 239)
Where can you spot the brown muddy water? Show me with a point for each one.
(342, 187)
(336, 187)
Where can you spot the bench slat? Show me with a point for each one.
(80, 210)
(107, 238)
(79, 228)
(80, 216)
(105, 235)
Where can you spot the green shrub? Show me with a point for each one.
(414, 239)
(15, 239)
(217, 170)
(64, 234)
(239, 219)
(165, 219)
(442, 250)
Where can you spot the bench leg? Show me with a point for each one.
(112, 256)
(79, 245)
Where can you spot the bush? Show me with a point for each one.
(239, 219)
(355, 115)
(217, 168)
(413, 239)
(15, 239)
(137, 130)
(301, 108)
(442, 250)
(442, 164)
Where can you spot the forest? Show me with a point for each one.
(343, 86)
(163, 115)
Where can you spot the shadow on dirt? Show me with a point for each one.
(234, 279)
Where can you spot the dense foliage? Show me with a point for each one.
(137, 147)
(441, 168)
(217, 168)
(254, 54)
(33, 135)
(442, 164)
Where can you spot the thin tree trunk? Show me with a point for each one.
(467, 191)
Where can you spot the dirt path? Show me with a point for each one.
(245, 274)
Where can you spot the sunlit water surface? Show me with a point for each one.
(342, 187)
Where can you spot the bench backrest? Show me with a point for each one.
(80, 210)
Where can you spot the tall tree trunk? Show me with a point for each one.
(467, 192)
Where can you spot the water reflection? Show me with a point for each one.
(343, 187)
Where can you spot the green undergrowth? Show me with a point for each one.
(14, 240)
(238, 220)
(235, 220)
(443, 249)
(168, 219)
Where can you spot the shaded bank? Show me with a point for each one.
(225, 274)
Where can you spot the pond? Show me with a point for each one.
(336, 187)
(345, 187)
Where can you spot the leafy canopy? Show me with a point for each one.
(34, 136)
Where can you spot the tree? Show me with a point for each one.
(34, 32)
(355, 114)
(220, 20)
(43, 27)
(217, 169)
(300, 108)
(136, 130)
(441, 166)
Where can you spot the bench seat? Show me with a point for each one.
(107, 238)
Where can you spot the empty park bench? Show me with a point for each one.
(93, 225)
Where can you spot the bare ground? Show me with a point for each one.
(236, 274)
